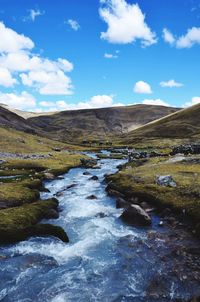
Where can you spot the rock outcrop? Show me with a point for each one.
(136, 216)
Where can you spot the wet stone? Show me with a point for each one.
(92, 197)
(94, 177)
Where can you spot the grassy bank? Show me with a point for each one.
(140, 181)
(20, 206)
(19, 223)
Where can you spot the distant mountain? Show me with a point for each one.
(184, 124)
(78, 125)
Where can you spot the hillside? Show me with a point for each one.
(15, 141)
(25, 114)
(182, 125)
(9, 119)
(77, 125)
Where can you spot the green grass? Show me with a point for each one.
(182, 126)
(20, 196)
(140, 181)
(15, 192)
(14, 141)
(19, 223)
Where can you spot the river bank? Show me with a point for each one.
(143, 181)
(105, 260)
(21, 181)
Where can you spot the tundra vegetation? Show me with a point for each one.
(44, 147)
(138, 182)
(21, 176)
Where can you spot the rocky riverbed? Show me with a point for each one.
(105, 259)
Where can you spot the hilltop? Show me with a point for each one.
(183, 126)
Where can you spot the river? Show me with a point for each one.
(105, 260)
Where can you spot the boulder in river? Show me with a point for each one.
(49, 230)
(88, 162)
(121, 203)
(71, 186)
(101, 215)
(94, 177)
(136, 216)
(60, 193)
(92, 197)
(86, 173)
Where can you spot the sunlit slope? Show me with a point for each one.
(184, 124)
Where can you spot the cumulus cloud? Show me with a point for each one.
(188, 40)
(6, 78)
(194, 101)
(18, 101)
(191, 38)
(13, 42)
(126, 23)
(170, 84)
(142, 87)
(97, 101)
(45, 75)
(157, 102)
(168, 36)
(25, 61)
(73, 24)
(49, 83)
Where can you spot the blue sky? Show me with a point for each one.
(110, 52)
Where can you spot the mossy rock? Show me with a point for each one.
(17, 224)
(13, 194)
(49, 230)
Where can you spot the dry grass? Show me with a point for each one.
(141, 181)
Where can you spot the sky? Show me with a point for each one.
(74, 54)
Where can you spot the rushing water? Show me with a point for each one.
(105, 260)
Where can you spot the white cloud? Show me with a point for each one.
(49, 83)
(21, 101)
(195, 100)
(97, 101)
(6, 78)
(168, 36)
(192, 37)
(46, 104)
(45, 75)
(73, 24)
(65, 65)
(188, 40)
(126, 23)
(110, 56)
(23, 61)
(142, 87)
(170, 84)
(157, 102)
(13, 42)
(33, 13)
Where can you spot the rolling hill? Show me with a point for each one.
(77, 125)
(182, 125)
(9, 119)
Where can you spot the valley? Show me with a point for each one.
(42, 179)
